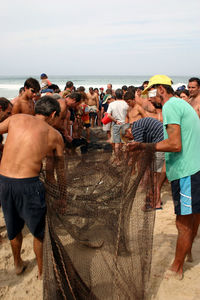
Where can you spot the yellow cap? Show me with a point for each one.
(157, 79)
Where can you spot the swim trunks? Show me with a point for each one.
(92, 110)
(186, 194)
(23, 202)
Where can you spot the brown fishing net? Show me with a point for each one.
(99, 226)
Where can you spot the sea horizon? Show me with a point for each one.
(10, 84)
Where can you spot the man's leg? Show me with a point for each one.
(38, 249)
(16, 245)
(196, 222)
(184, 242)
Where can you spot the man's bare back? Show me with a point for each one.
(24, 106)
(29, 140)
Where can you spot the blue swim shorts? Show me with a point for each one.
(186, 194)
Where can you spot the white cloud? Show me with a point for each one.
(47, 32)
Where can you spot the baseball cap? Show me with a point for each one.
(157, 79)
(43, 75)
(101, 88)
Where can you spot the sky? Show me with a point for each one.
(85, 37)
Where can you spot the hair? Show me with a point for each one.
(185, 91)
(32, 83)
(96, 89)
(81, 89)
(195, 79)
(119, 94)
(109, 91)
(177, 93)
(124, 88)
(4, 103)
(145, 82)
(131, 88)
(46, 106)
(91, 88)
(129, 96)
(84, 96)
(76, 96)
(54, 87)
(21, 90)
(69, 85)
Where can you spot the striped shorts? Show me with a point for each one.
(186, 194)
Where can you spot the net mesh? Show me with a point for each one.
(99, 224)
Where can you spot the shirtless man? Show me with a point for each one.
(62, 122)
(30, 139)
(25, 104)
(135, 111)
(93, 103)
(194, 92)
(109, 87)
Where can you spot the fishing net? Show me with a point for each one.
(99, 225)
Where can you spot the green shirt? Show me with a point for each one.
(186, 162)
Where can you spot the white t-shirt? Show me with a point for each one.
(118, 109)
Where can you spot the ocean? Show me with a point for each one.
(10, 85)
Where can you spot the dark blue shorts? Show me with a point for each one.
(186, 194)
(23, 201)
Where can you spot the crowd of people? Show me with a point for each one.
(48, 121)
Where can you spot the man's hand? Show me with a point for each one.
(133, 146)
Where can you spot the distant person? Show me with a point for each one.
(124, 89)
(45, 83)
(145, 84)
(25, 104)
(117, 111)
(194, 91)
(185, 95)
(93, 103)
(69, 87)
(30, 139)
(109, 87)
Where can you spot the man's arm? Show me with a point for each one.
(173, 143)
(16, 108)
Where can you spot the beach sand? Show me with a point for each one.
(27, 286)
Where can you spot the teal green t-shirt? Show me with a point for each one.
(186, 162)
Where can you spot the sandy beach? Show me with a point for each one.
(27, 286)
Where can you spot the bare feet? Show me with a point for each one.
(19, 269)
(172, 274)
